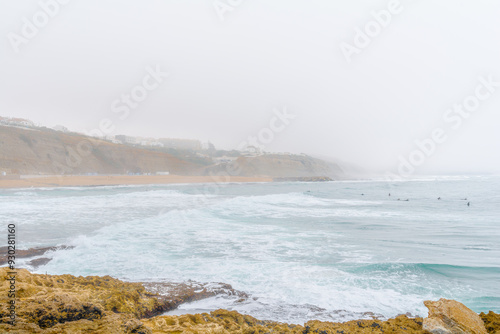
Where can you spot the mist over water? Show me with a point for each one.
(327, 251)
(392, 88)
(228, 71)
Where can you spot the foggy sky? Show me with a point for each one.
(228, 77)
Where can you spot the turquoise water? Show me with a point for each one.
(329, 251)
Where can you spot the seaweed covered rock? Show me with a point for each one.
(223, 322)
(59, 309)
(112, 323)
(396, 325)
(50, 304)
(92, 304)
(491, 322)
(105, 292)
(47, 302)
(220, 321)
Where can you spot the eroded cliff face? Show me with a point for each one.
(278, 165)
(45, 151)
(68, 304)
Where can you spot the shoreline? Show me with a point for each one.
(117, 180)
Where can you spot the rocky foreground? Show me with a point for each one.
(69, 304)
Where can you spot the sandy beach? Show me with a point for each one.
(111, 180)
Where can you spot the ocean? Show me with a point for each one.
(332, 251)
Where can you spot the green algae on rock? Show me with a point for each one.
(69, 304)
(50, 304)
(222, 321)
(491, 322)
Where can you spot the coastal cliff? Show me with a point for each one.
(45, 151)
(69, 304)
(279, 166)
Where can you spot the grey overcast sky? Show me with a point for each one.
(365, 79)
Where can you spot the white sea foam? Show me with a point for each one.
(301, 251)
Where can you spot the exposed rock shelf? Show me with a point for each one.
(69, 304)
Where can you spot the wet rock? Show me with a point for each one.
(32, 252)
(174, 294)
(451, 317)
(35, 263)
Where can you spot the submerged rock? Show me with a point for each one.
(451, 317)
(41, 261)
(32, 252)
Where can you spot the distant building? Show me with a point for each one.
(126, 139)
(252, 151)
(208, 146)
(112, 139)
(151, 142)
(60, 128)
(181, 144)
(162, 173)
(225, 159)
(22, 122)
(11, 121)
